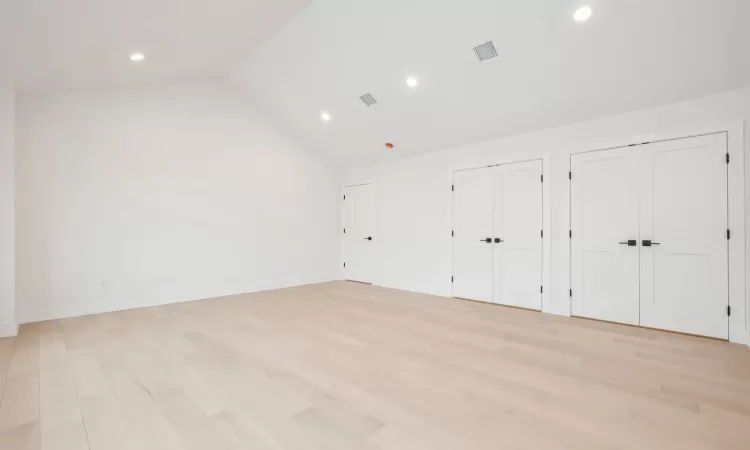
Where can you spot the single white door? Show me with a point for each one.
(604, 243)
(518, 228)
(472, 234)
(359, 226)
(683, 213)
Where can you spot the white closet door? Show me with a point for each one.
(518, 225)
(684, 279)
(472, 226)
(604, 214)
(359, 222)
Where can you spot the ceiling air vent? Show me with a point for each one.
(368, 99)
(485, 51)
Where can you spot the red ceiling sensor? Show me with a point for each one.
(388, 145)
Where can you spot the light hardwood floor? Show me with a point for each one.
(350, 366)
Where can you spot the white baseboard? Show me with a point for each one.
(8, 329)
(57, 314)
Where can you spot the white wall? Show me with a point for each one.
(414, 195)
(7, 194)
(159, 194)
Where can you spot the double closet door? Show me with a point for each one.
(649, 235)
(497, 234)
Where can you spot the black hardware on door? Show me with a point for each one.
(368, 238)
(498, 240)
(487, 240)
(630, 243)
(647, 243)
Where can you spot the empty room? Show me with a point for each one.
(374, 225)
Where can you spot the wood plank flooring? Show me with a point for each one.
(349, 366)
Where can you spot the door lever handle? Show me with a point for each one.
(487, 240)
(498, 240)
(630, 243)
(368, 238)
(648, 243)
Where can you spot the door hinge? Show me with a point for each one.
(542, 178)
(451, 279)
(344, 230)
(542, 233)
(571, 292)
(452, 233)
(727, 158)
(453, 187)
(345, 197)
(570, 234)
(344, 264)
(570, 175)
(541, 289)
(729, 310)
(729, 235)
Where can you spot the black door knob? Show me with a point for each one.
(498, 240)
(630, 243)
(648, 243)
(487, 240)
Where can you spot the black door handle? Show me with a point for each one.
(630, 243)
(648, 243)
(487, 240)
(368, 238)
(498, 240)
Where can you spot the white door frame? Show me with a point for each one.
(342, 221)
(546, 223)
(738, 301)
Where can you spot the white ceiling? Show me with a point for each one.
(551, 71)
(296, 60)
(61, 44)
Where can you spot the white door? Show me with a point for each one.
(604, 217)
(359, 226)
(472, 228)
(518, 227)
(683, 212)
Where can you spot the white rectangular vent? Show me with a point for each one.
(368, 99)
(485, 51)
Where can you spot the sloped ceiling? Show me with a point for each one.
(65, 44)
(551, 71)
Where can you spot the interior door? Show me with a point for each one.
(518, 227)
(472, 234)
(683, 212)
(604, 225)
(359, 226)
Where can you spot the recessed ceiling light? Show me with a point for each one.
(412, 82)
(135, 57)
(583, 14)
(325, 117)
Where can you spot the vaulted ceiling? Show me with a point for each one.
(62, 44)
(550, 71)
(298, 58)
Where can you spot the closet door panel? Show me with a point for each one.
(684, 272)
(604, 217)
(518, 224)
(472, 225)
